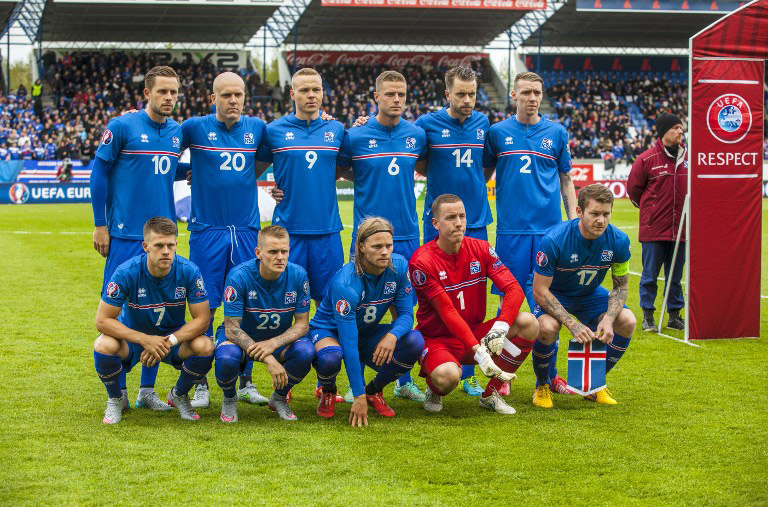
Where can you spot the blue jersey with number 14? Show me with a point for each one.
(223, 163)
(144, 156)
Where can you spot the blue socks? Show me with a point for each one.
(542, 357)
(407, 352)
(149, 375)
(467, 370)
(327, 365)
(192, 369)
(298, 362)
(615, 350)
(553, 362)
(404, 379)
(109, 368)
(228, 361)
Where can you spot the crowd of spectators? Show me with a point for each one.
(606, 117)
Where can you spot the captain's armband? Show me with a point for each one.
(620, 268)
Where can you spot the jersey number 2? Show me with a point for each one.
(527, 160)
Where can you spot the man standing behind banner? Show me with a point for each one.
(657, 185)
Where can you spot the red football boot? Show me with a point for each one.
(559, 385)
(379, 405)
(327, 406)
(319, 394)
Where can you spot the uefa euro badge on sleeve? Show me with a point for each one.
(586, 367)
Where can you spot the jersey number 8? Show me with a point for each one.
(369, 315)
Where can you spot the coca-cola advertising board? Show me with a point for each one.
(503, 5)
(315, 58)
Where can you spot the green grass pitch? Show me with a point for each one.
(691, 427)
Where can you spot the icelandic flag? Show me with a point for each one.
(586, 367)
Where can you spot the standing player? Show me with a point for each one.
(347, 324)
(571, 263)
(225, 220)
(136, 163)
(152, 289)
(456, 136)
(533, 164)
(383, 154)
(450, 276)
(266, 316)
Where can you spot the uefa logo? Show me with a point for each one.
(19, 193)
(729, 118)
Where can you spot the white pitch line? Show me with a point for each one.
(678, 340)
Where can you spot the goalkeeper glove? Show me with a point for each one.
(489, 368)
(494, 340)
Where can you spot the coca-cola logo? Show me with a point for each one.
(581, 173)
(313, 59)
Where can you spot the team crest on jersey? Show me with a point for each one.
(497, 264)
(290, 297)
(342, 307)
(306, 288)
(574, 257)
(212, 136)
(106, 137)
(389, 287)
(176, 142)
(248, 137)
(442, 275)
(328, 136)
(230, 294)
(410, 142)
(474, 267)
(372, 143)
(606, 256)
(541, 259)
(199, 283)
(492, 252)
(181, 293)
(113, 290)
(546, 144)
(419, 278)
(252, 294)
(480, 134)
(144, 138)
(289, 136)
(729, 118)
(142, 292)
(446, 133)
(508, 140)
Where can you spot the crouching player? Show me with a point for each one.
(572, 262)
(153, 289)
(450, 276)
(347, 324)
(266, 316)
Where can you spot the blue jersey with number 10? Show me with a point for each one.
(528, 160)
(144, 156)
(223, 163)
(304, 156)
(384, 160)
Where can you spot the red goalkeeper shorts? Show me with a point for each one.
(450, 349)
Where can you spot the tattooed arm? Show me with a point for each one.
(545, 299)
(299, 328)
(616, 300)
(568, 191)
(236, 335)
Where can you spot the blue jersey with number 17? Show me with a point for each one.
(144, 155)
(223, 163)
(456, 163)
(304, 162)
(384, 160)
(528, 160)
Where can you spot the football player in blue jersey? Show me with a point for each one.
(532, 160)
(136, 162)
(456, 137)
(347, 324)
(565, 288)
(152, 290)
(266, 316)
(225, 220)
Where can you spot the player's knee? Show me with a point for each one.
(328, 360)
(625, 323)
(303, 352)
(201, 346)
(106, 345)
(228, 359)
(548, 330)
(446, 377)
(412, 345)
(527, 326)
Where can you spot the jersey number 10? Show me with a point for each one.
(162, 164)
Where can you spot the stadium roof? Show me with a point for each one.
(407, 26)
(122, 21)
(6, 7)
(568, 27)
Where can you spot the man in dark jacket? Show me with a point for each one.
(657, 185)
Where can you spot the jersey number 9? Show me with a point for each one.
(311, 158)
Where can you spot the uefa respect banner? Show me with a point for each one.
(726, 173)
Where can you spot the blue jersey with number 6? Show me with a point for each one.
(223, 163)
(144, 155)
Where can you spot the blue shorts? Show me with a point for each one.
(216, 252)
(404, 247)
(221, 337)
(518, 253)
(134, 354)
(120, 250)
(587, 309)
(322, 256)
(430, 232)
(366, 344)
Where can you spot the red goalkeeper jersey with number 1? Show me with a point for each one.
(462, 276)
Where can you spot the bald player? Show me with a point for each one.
(224, 222)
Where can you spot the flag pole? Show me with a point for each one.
(670, 273)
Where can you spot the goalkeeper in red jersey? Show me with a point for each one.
(450, 275)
